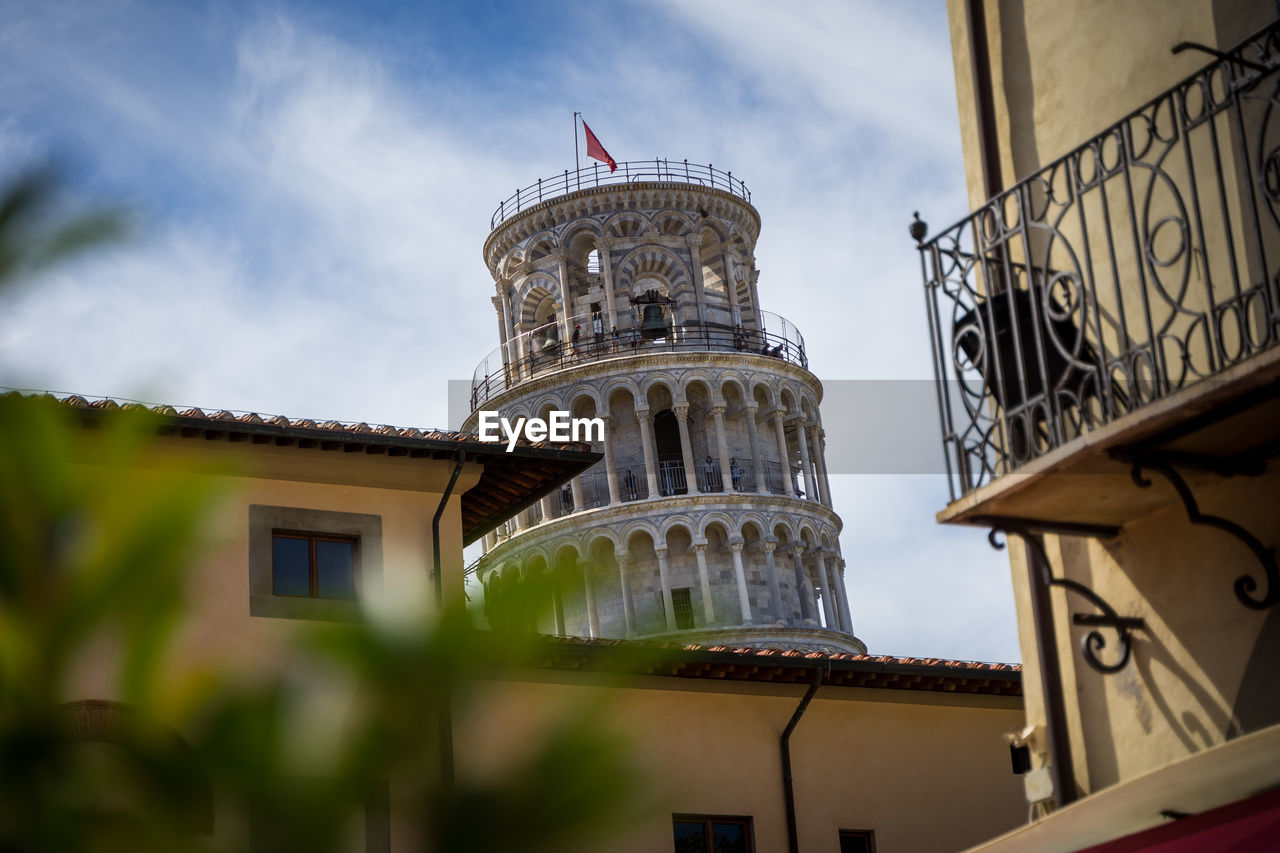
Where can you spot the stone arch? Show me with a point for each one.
(530, 560)
(511, 263)
(657, 262)
(684, 522)
(540, 246)
(549, 400)
(539, 301)
(582, 392)
(764, 395)
(699, 375)
(756, 522)
(516, 410)
(781, 522)
(582, 404)
(673, 223)
(661, 391)
(787, 399)
(807, 533)
(601, 533)
(723, 519)
(639, 526)
(718, 233)
(730, 380)
(622, 383)
(626, 224)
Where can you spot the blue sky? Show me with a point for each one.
(313, 183)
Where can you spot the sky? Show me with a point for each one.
(310, 186)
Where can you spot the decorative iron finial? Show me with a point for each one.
(918, 228)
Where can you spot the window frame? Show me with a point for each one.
(707, 820)
(868, 835)
(312, 538)
(266, 521)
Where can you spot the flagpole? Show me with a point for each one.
(577, 164)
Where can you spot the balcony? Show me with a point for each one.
(542, 351)
(633, 171)
(1121, 304)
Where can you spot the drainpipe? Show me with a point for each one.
(983, 98)
(1059, 746)
(793, 843)
(446, 712)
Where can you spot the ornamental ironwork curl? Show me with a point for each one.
(1246, 585)
(1093, 641)
(1128, 269)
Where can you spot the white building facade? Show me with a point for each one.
(632, 297)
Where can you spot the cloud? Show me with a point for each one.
(318, 195)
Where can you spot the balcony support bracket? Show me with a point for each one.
(1246, 464)
(1093, 642)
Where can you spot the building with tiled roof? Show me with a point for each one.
(324, 520)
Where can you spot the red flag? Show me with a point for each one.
(596, 151)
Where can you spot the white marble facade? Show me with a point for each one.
(710, 515)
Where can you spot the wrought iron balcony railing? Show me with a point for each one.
(543, 350)
(1142, 262)
(597, 175)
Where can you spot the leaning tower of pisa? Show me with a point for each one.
(632, 296)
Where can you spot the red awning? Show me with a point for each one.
(1245, 826)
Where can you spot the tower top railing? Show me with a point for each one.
(542, 351)
(632, 171)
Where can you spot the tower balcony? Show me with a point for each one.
(631, 172)
(541, 352)
(1117, 310)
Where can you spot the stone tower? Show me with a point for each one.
(632, 297)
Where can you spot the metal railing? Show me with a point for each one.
(632, 171)
(1142, 262)
(545, 352)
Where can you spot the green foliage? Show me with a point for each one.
(99, 535)
(34, 233)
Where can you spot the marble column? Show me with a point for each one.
(744, 599)
(844, 598)
(775, 589)
(603, 245)
(731, 287)
(589, 590)
(820, 456)
(757, 460)
(681, 411)
(669, 610)
(575, 489)
(566, 301)
(557, 606)
(610, 465)
(783, 456)
(804, 589)
(704, 577)
(726, 473)
(830, 590)
(646, 444)
(624, 576)
(810, 482)
(695, 263)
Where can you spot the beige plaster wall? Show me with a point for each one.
(924, 771)
(404, 492)
(1204, 670)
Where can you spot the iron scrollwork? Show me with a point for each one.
(1093, 642)
(1050, 317)
(1246, 585)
